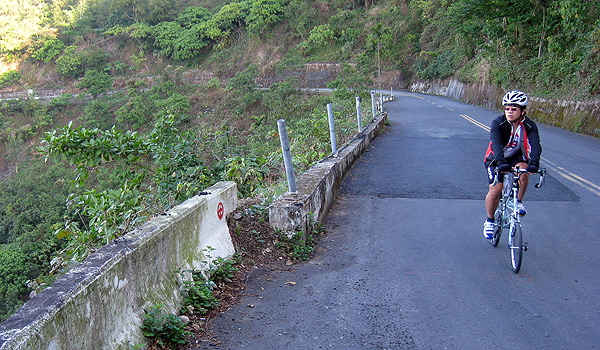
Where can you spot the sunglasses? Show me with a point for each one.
(512, 109)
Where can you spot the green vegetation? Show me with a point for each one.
(221, 270)
(300, 246)
(9, 78)
(160, 99)
(199, 294)
(297, 246)
(198, 297)
(31, 204)
(164, 328)
(96, 82)
(198, 289)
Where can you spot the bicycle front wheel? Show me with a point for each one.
(516, 247)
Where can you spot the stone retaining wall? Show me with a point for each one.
(577, 116)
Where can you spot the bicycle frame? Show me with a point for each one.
(510, 212)
(507, 214)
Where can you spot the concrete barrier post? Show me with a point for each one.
(332, 130)
(287, 156)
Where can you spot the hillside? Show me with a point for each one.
(154, 100)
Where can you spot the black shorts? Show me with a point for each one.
(512, 161)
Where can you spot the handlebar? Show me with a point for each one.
(518, 172)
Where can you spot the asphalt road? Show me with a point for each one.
(404, 264)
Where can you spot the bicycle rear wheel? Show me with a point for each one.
(498, 229)
(516, 247)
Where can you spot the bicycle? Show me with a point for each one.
(507, 215)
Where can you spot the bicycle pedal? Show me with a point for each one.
(525, 246)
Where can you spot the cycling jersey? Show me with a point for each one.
(506, 141)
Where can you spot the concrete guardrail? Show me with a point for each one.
(298, 212)
(100, 303)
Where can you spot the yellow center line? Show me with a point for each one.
(479, 124)
(574, 177)
(588, 185)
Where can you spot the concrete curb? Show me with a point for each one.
(317, 187)
(100, 303)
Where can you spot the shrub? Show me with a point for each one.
(9, 78)
(433, 65)
(244, 80)
(247, 172)
(263, 14)
(49, 50)
(136, 113)
(198, 293)
(175, 104)
(165, 328)
(14, 271)
(298, 246)
(321, 35)
(70, 64)
(61, 102)
(97, 114)
(95, 59)
(223, 269)
(220, 269)
(31, 202)
(96, 82)
(192, 16)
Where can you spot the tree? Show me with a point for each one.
(31, 203)
(264, 13)
(70, 64)
(21, 19)
(153, 172)
(49, 49)
(9, 78)
(543, 5)
(96, 82)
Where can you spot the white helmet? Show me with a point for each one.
(515, 97)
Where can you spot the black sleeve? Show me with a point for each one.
(496, 139)
(534, 142)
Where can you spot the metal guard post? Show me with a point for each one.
(287, 156)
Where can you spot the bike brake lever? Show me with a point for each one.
(542, 181)
(496, 174)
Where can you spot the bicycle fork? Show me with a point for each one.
(515, 218)
(511, 232)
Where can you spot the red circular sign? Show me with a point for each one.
(220, 210)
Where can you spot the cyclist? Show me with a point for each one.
(514, 141)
